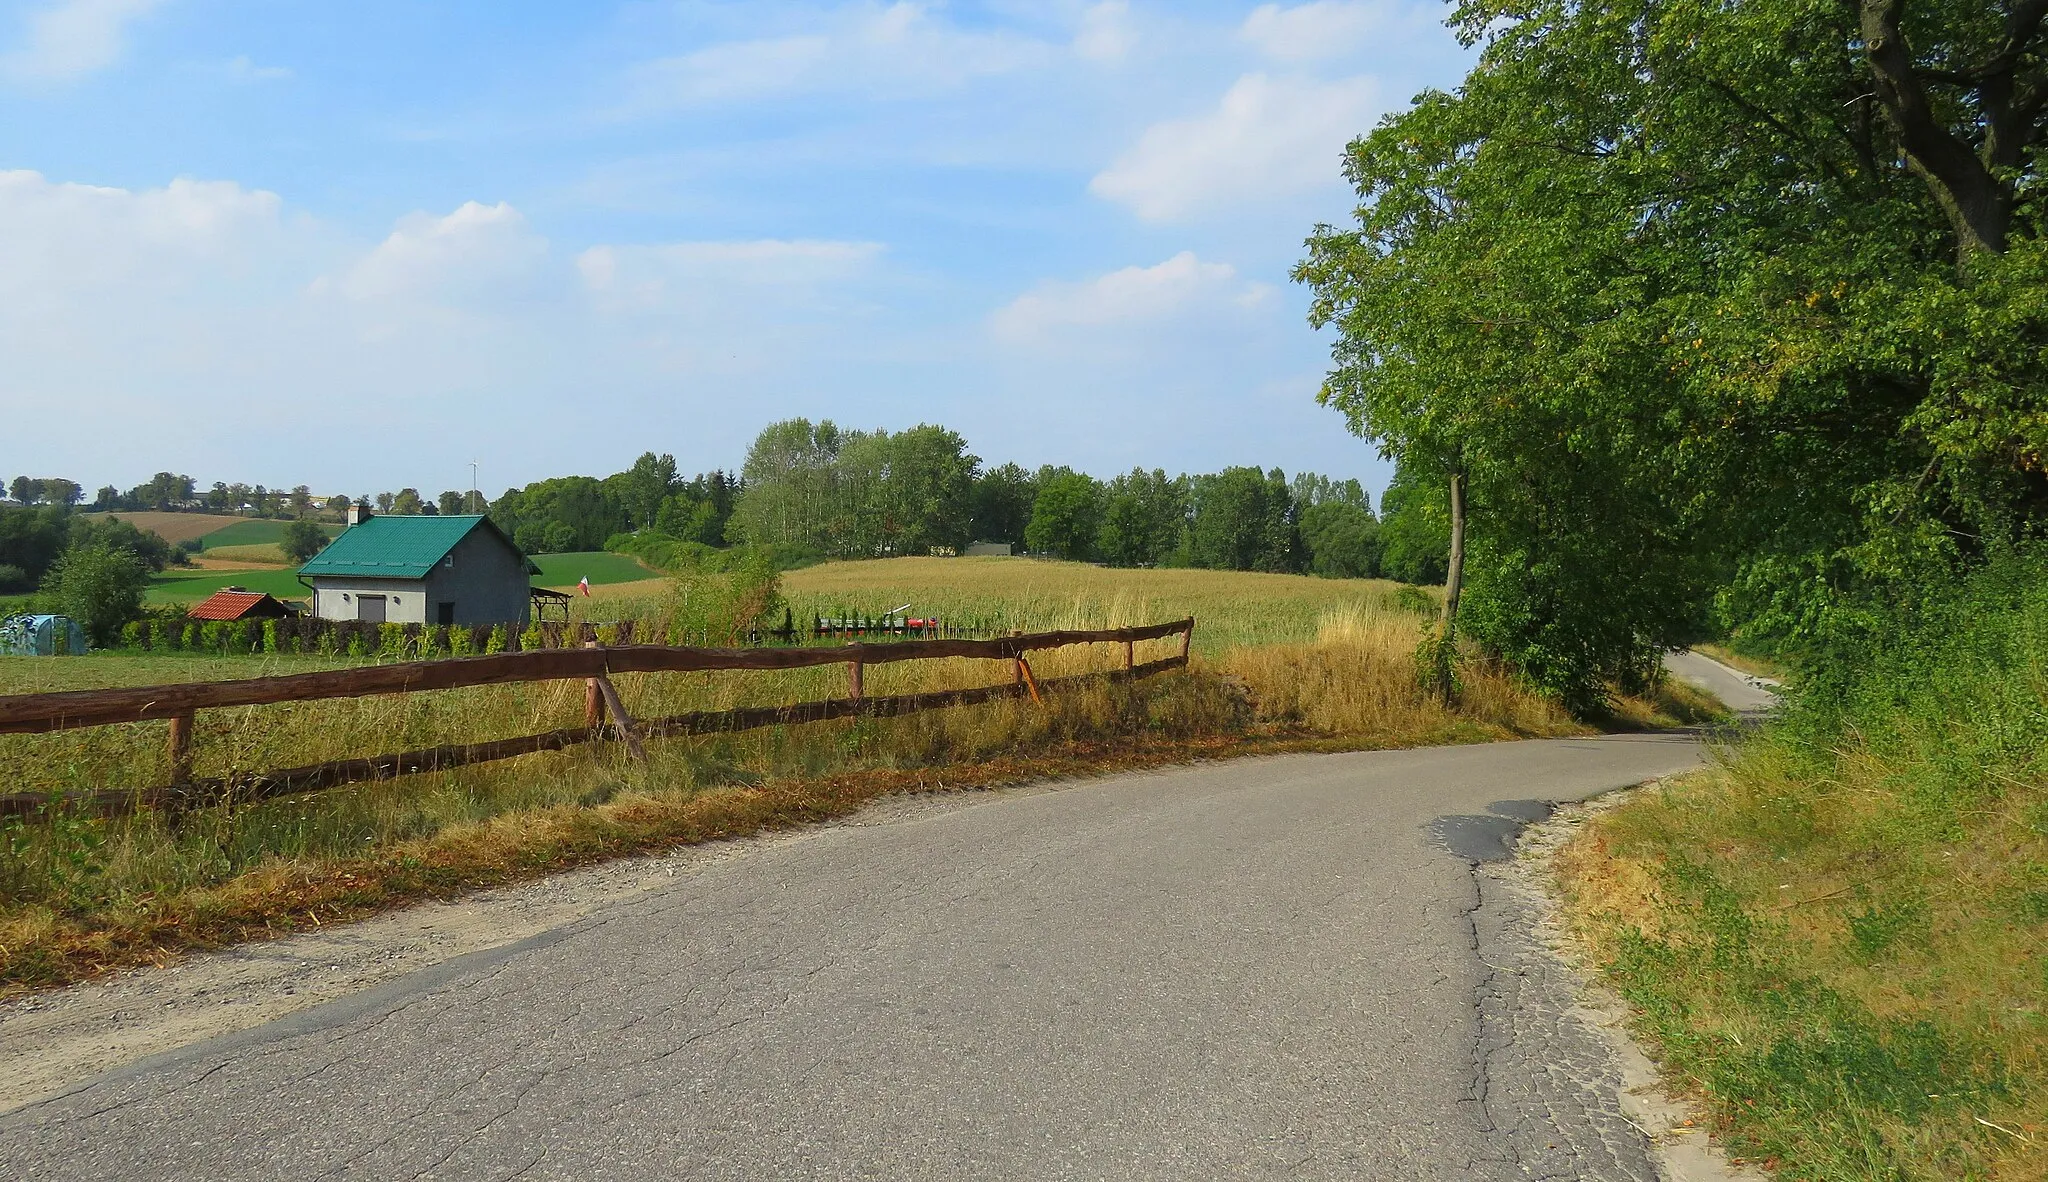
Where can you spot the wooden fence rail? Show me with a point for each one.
(38, 713)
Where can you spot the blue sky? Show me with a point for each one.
(360, 245)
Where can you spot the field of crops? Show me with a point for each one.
(1233, 608)
(180, 527)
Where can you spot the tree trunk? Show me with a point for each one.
(1454, 578)
(1441, 651)
(1971, 182)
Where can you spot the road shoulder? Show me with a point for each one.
(1680, 1145)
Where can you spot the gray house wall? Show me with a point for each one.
(405, 600)
(484, 578)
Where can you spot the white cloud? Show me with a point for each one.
(476, 249)
(1269, 137)
(1181, 287)
(73, 38)
(1320, 29)
(241, 69)
(900, 49)
(1105, 34)
(57, 238)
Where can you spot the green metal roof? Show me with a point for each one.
(400, 547)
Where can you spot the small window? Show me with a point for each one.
(444, 613)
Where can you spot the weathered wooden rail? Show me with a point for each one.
(41, 713)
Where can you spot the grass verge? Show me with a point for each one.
(1839, 939)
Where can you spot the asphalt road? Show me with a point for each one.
(1263, 968)
(1747, 695)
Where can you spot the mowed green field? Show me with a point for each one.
(256, 532)
(191, 586)
(599, 566)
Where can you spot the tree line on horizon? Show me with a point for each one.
(816, 489)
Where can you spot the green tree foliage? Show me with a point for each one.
(1003, 497)
(582, 513)
(857, 493)
(46, 490)
(111, 533)
(30, 541)
(1342, 539)
(928, 490)
(789, 476)
(1144, 515)
(1415, 526)
(1066, 516)
(1243, 519)
(1677, 288)
(100, 587)
(302, 540)
(408, 503)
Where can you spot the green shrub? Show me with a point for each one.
(391, 640)
(135, 634)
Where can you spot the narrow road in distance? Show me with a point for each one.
(1264, 968)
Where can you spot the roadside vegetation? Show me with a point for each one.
(1839, 938)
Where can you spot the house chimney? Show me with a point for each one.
(358, 513)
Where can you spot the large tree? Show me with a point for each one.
(1066, 515)
(1673, 288)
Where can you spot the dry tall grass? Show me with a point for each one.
(1356, 678)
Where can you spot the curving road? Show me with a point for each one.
(1264, 968)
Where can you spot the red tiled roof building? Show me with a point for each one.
(233, 603)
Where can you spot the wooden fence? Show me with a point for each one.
(41, 713)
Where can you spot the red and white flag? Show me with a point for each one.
(583, 584)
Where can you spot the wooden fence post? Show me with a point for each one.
(1030, 682)
(181, 748)
(1017, 666)
(1127, 653)
(1187, 639)
(853, 677)
(593, 698)
(625, 720)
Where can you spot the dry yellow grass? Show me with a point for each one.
(174, 527)
(1773, 938)
(1233, 608)
(257, 554)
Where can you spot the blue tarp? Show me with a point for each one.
(41, 636)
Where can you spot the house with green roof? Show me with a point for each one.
(421, 570)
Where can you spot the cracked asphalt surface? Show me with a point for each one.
(1261, 968)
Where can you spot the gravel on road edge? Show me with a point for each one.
(1526, 884)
